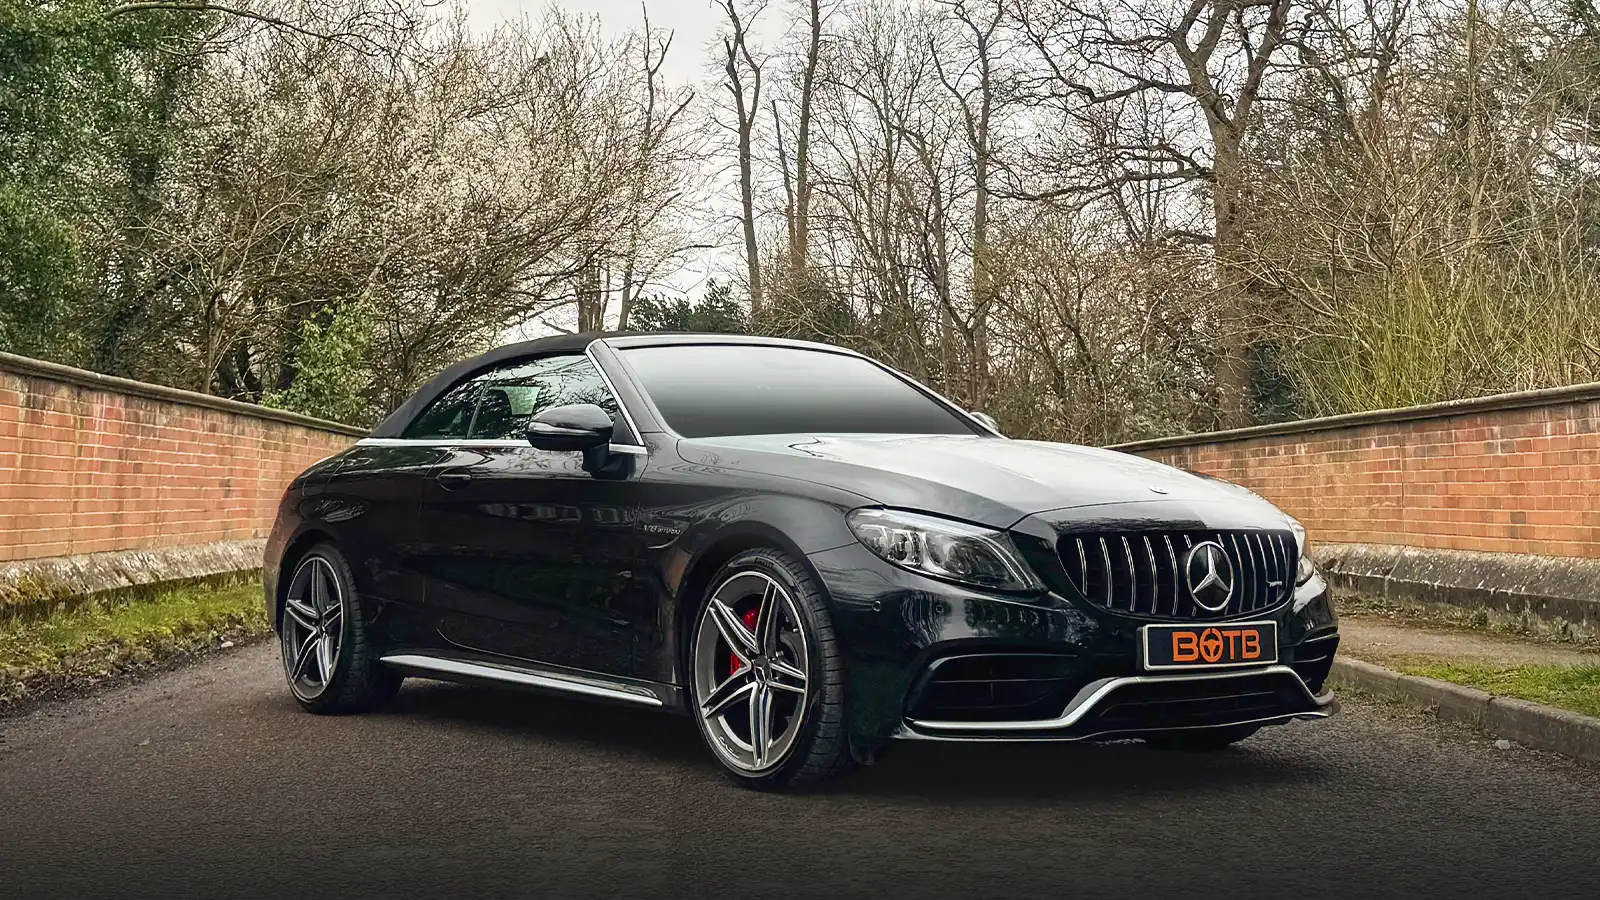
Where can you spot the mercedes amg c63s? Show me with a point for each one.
(806, 551)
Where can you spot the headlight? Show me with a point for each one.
(943, 548)
(1306, 568)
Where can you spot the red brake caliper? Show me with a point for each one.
(749, 619)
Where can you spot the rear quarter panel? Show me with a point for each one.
(289, 524)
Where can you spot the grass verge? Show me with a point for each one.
(73, 649)
(1574, 688)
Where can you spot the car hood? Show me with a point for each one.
(991, 480)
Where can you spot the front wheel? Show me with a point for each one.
(329, 656)
(767, 676)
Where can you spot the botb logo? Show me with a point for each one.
(1215, 645)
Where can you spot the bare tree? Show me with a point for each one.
(663, 150)
(1214, 57)
(800, 203)
(742, 80)
(450, 188)
(867, 97)
(1091, 218)
(1426, 240)
(973, 88)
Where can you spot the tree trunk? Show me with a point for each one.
(737, 61)
(800, 246)
(747, 200)
(591, 300)
(983, 289)
(627, 296)
(1235, 296)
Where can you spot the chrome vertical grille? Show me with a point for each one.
(1143, 574)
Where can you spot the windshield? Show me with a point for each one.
(733, 389)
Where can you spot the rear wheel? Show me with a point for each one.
(767, 676)
(1203, 740)
(329, 657)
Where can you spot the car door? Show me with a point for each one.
(525, 554)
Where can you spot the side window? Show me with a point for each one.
(497, 404)
(450, 414)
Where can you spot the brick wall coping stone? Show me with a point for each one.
(22, 365)
(1577, 393)
(1552, 588)
(33, 587)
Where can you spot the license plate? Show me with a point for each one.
(1208, 646)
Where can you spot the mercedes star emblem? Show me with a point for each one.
(1210, 574)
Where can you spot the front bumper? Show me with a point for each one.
(1137, 705)
(931, 660)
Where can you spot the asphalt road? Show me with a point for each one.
(209, 782)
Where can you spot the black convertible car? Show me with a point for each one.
(803, 549)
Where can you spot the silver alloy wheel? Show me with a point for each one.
(313, 627)
(751, 680)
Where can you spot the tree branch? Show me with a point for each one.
(348, 38)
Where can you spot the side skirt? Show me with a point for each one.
(552, 679)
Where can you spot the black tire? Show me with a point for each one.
(821, 747)
(358, 682)
(1203, 740)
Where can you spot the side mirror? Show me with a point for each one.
(987, 420)
(576, 426)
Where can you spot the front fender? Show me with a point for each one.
(714, 533)
(796, 525)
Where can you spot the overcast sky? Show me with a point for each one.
(694, 23)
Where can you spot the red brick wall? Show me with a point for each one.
(89, 463)
(1517, 473)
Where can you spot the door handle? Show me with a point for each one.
(453, 480)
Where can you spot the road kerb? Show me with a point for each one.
(1530, 724)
